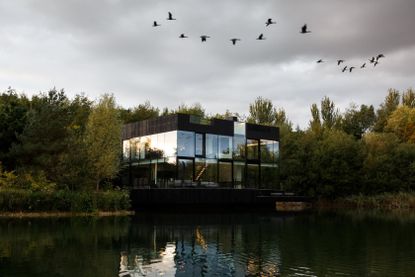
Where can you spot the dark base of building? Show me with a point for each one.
(209, 198)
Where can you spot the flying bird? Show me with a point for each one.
(339, 62)
(260, 37)
(372, 60)
(304, 29)
(155, 24)
(344, 69)
(351, 68)
(375, 63)
(234, 40)
(269, 22)
(380, 56)
(170, 17)
(183, 36)
(204, 37)
(363, 65)
(320, 61)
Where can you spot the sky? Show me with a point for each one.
(110, 46)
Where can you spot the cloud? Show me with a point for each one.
(110, 46)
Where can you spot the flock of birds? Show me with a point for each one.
(304, 30)
(374, 60)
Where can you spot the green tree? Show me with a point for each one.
(141, 112)
(103, 140)
(262, 111)
(195, 109)
(356, 122)
(13, 111)
(315, 122)
(329, 113)
(390, 104)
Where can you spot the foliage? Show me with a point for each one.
(195, 109)
(103, 133)
(402, 123)
(357, 122)
(15, 200)
(140, 112)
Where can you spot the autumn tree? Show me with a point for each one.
(103, 140)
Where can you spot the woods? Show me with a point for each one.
(50, 143)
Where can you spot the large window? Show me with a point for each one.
(211, 146)
(239, 144)
(225, 147)
(239, 174)
(252, 149)
(185, 144)
(199, 145)
(225, 174)
(185, 170)
(252, 176)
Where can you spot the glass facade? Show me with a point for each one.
(195, 159)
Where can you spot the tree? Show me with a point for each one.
(315, 123)
(329, 114)
(356, 122)
(45, 136)
(141, 112)
(408, 98)
(195, 109)
(13, 111)
(103, 140)
(390, 103)
(402, 123)
(261, 112)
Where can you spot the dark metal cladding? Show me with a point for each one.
(150, 126)
(197, 124)
(254, 131)
(200, 125)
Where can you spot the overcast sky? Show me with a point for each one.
(100, 46)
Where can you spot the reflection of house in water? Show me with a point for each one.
(170, 249)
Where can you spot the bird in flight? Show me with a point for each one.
(320, 61)
(339, 62)
(380, 56)
(344, 69)
(363, 65)
(204, 37)
(183, 36)
(304, 29)
(261, 37)
(351, 68)
(269, 22)
(375, 63)
(372, 60)
(155, 24)
(170, 17)
(234, 40)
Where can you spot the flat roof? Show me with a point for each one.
(186, 122)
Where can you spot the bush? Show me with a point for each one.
(17, 200)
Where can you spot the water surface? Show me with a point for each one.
(216, 244)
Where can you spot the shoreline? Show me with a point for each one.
(23, 214)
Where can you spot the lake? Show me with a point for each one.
(210, 244)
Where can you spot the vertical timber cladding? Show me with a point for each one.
(150, 126)
(254, 131)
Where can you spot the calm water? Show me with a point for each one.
(209, 245)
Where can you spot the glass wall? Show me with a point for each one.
(199, 145)
(239, 174)
(185, 172)
(252, 149)
(225, 174)
(182, 158)
(252, 176)
(239, 143)
(225, 147)
(185, 144)
(211, 146)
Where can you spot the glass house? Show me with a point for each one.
(183, 150)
